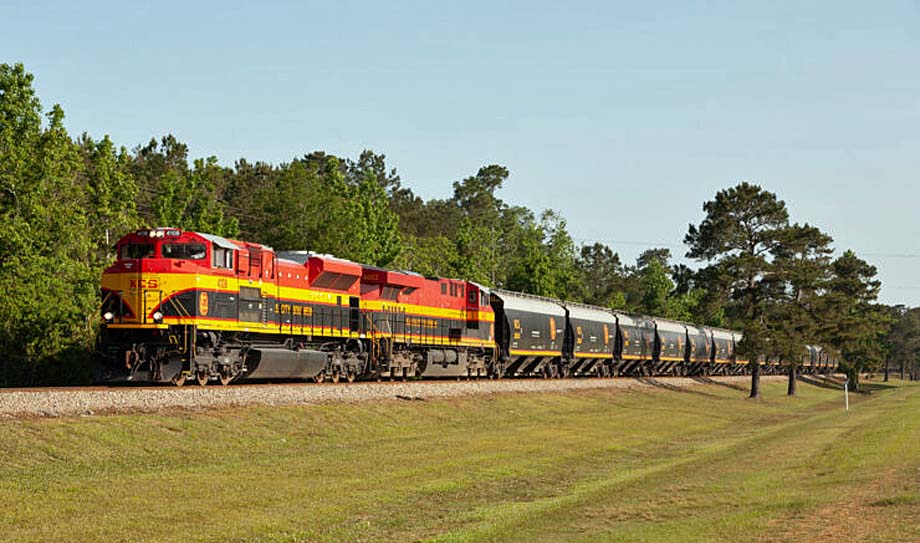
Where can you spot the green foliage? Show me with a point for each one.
(367, 223)
(683, 307)
(800, 275)
(656, 286)
(47, 272)
(742, 227)
(905, 343)
(546, 264)
(473, 253)
(429, 256)
(315, 204)
(111, 193)
(859, 325)
(188, 200)
(288, 205)
(600, 276)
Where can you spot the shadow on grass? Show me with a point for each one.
(833, 383)
(711, 381)
(873, 387)
(827, 382)
(668, 386)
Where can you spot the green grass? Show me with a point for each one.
(705, 464)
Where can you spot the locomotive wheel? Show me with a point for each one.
(202, 377)
(224, 377)
(179, 379)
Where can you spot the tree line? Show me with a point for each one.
(65, 200)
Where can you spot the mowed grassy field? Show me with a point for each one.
(697, 464)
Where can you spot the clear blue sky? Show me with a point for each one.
(624, 118)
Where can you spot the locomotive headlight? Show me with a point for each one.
(157, 317)
(108, 316)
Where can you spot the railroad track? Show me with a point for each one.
(94, 400)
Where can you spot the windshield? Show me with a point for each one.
(136, 250)
(185, 251)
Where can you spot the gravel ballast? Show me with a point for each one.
(89, 401)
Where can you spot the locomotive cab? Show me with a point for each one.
(153, 264)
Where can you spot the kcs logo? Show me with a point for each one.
(145, 283)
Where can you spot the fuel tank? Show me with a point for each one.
(270, 363)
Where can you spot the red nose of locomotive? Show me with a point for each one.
(134, 286)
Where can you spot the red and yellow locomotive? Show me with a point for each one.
(180, 305)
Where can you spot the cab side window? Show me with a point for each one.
(222, 258)
(184, 251)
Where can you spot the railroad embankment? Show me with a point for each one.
(106, 400)
(662, 462)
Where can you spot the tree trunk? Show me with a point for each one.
(902, 370)
(886, 371)
(793, 376)
(755, 378)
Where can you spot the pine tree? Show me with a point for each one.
(801, 274)
(742, 228)
(857, 324)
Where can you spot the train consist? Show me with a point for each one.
(180, 306)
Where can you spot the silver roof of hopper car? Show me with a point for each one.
(670, 326)
(627, 319)
(528, 302)
(590, 312)
(718, 333)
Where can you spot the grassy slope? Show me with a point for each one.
(704, 464)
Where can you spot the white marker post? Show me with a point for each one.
(846, 395)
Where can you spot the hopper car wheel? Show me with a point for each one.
(179, 379)
(202, 377)
(335, 376)
(224, 377)
(319, 377)
(350, 376)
